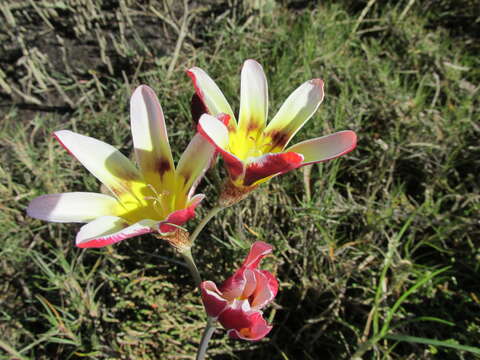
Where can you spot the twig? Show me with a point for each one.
(407, 8)
(307, 170)
(181, 37)
(362, 16)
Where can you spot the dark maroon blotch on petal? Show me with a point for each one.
(279, 139)
(163, 166)
(197, 108)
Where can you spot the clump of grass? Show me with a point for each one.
(377, 258)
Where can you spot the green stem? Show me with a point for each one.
(366, 346)
(207, 335)
(187, 256)
(214, 211)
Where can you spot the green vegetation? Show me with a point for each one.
(377, 252)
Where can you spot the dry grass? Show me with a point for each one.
(379, 257)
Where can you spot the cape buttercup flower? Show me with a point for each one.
(254, 151)
(156, 197)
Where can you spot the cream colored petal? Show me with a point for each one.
(105, 162)
(193, 163)
(210, 93)
(150, 139)
(71, 207)
(326, 147)
(294, 113)
(253, 98)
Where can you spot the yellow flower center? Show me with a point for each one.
(252, 144)
(143, 201)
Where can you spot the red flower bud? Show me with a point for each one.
(237, 304)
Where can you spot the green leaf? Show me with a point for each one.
(434, 342)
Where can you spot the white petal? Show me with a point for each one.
(193, 163)
(326, 147)
(209, 93)
(214, 131)
(253, 98)
(150, 139)
(71, 207)
(294, 113)
(105, 162)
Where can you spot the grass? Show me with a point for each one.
(377, 252)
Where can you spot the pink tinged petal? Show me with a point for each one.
(192, 165)
(212, 299)
(265, 291)
(180, 217)
(294, 113)
(269, 165)
(150, 139)
(244, 323)
(105, 162)
(72, 207)
(108, 230)
(326, 147)
(258, 251)
(209, 93)
(233, 287)
(253, 98)
(257, 331)
(272, 282)
(217, 134)
(250, 284)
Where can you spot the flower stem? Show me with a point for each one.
(207, 335)
(187, 256)
(214, 211)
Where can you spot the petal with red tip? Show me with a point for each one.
(180, 217)
(233, 287)
(258, 251)
(250, 284)
(72, 207)
(272, 282)
(212, 299)
(217, 134)
(326, 147)
(257, 331)
(209, 93)
(107, 230)
(243, 283)
(253, 98)
(269, 165)
(105, 162)
(150, 139)
(265, 291)
(294, 113)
